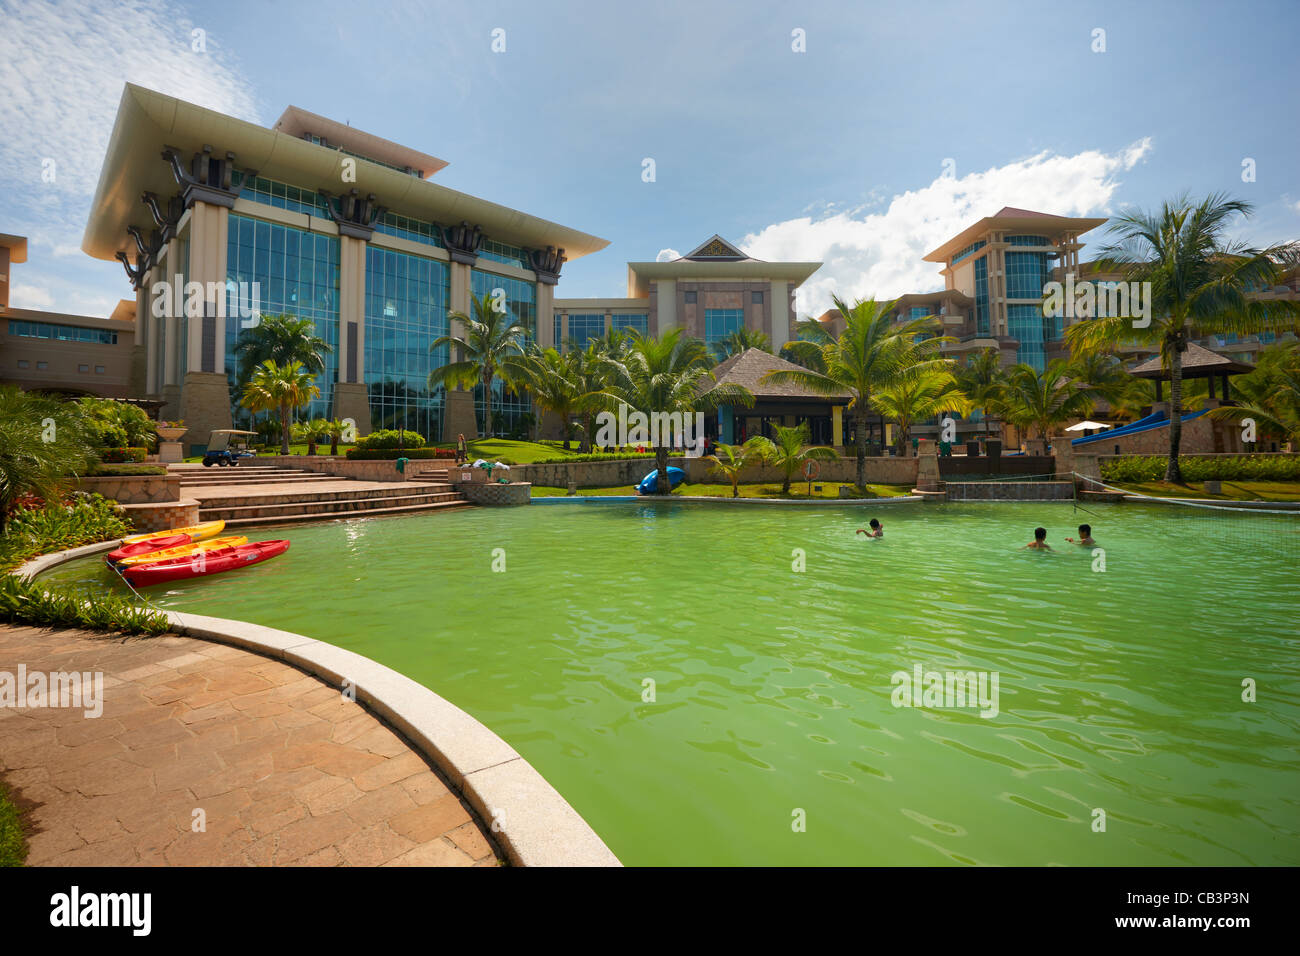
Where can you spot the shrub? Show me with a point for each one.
(118, 424)
(1142, 468)
(392, 454)
(110, 471)
(55, 527)
(604, 456)
(27, 602)
(391, 438)
(123, 454)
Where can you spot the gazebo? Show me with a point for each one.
(1198, 362)
(784, 403)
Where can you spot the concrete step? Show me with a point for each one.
(458, 501)
(268, 479)
(394, 489)
(277, 508)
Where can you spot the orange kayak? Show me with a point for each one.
(203, 564)
(197, 532)
(182, 551)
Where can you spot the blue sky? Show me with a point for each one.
(834, 154)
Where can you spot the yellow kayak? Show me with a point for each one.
(182, 551)
(198, 532)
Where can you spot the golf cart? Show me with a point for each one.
(226, 446)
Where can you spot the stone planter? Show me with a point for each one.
(169, 448)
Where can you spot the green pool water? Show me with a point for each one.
(1119, 690)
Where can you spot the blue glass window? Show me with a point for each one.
(1027, 273)
(404, 227)
(62, 333)
(719, 323)
(982, 296)
(583, 328)
(283, 196)
(969, 250)
(521, 300)
(503, 252)
(628, 323)
(1026, 324)
(1028, 240)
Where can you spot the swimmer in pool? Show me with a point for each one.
(1085, 537)
(876, 530)
(1040, 541)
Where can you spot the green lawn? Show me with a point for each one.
(13, 847)
(518, 452)
(1232, 490)
(758, 490)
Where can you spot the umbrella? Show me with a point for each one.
(1084, 426)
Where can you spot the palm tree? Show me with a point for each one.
(739, 341)
(919, 394)
(669, 375)
(274, 387)
(1270, 394)
(806, 350)
(1200, 285)
(490, 337)
(43, 442)
(730, 460)
(282, 338)
(310, 433)
(872, 351)
(1043, 400)
(982, 382)
(557, 382)
(1103, 374)
(790, 451)
(334, 429)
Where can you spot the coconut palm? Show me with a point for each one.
(561, 383)
(731, 460)
(982, 382)
(790, 451)
(1043, 400)
(739, 341)
(282, 338)
(1270, 395)
(873, 351)
(807, 349)
(43, 442)
(669, 375)
(489, 338)
(282, 388)
(918, 394)
(1200, 285)
(334, 429)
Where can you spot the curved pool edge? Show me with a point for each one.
(528, 817)
(713, 499)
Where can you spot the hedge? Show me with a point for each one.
(604, 456)
(111, 471)
(1139, 468)
(392, 454)
(391, 438)
(123, 454)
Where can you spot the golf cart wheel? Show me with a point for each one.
(207, 463)
(223, 463)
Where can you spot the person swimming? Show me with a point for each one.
(1040, 541)
(877, 531)
(1085, 537)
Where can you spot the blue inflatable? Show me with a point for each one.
(647, 487)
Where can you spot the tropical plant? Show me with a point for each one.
(310, 433)
(558, 382)
(739, 341)
(490, 337)
(283, 339)
(872, 352)
(334, 429)
(118, 424)
(919, 393)
(43, 441)
(982, 382)
(1270, 395)
(1201, 285)
(669, 375)
(56, 525)
(731, 460)
(789, 451)
(1043, 400)
(282, 388)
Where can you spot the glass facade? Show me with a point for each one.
(982, 296)
(283, 196)
(1027, 273)
(61, 333)
(1028, 241)
(719, 323)
(969, 250)
(628, 323)
(918, 312)
(1026, 324)
(503, 252)
(406, 311)
(298, 273)
(584, 328)
(521, 300)
(404, 227)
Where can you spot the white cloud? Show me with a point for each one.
(879, 253)
(667, 255)
(30, 297)
(1296, 207)
(62, 68)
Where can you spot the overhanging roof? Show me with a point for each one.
(641, 274)
(750, 366)
(1198, 362)
(1010, 219)
(17, 246)
(299, 122)
(148, 121)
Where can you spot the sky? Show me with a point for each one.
(860, 135)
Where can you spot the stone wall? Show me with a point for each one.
(160, 517)
(613, 474)
(1201, 435)
(133, 489)
(1009, 490)
(360, 470)
(495, 493)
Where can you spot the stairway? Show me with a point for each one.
(267, 494)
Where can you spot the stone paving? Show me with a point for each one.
(284, 768)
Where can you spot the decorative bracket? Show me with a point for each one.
(462, 242)
(547, 264)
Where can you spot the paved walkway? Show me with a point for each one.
(284, 769)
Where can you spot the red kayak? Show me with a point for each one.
(145, 547)
(202, 565)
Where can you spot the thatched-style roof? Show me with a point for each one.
(1198, 362)
(748, 369)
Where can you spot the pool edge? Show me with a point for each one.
(528, 817)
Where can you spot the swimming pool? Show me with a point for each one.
(773, 694)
